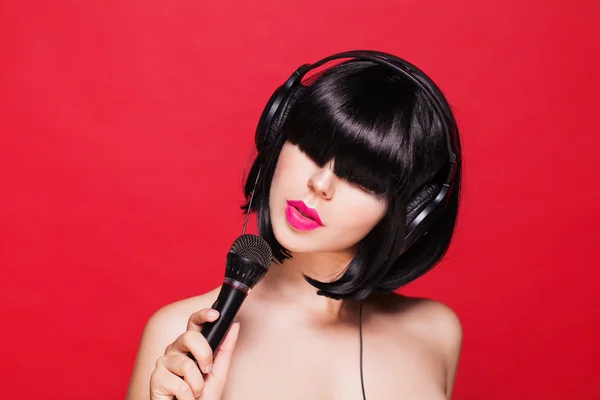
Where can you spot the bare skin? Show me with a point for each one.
(411, 348)
(292, 343)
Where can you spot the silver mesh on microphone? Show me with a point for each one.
(253, 248)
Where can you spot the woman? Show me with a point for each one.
(341, 164)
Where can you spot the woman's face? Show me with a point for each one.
(347, 212)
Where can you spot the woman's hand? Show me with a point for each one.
(166, 381)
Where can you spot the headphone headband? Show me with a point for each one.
(433, 208)
(397, 64)
(409, 71)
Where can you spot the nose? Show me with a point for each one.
(322, 181)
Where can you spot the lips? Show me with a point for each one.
(301, 217)
(306, 211)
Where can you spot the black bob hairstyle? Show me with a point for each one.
(384, 135)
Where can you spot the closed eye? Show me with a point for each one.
(364, 188)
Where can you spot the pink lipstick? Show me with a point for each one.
(301, 216)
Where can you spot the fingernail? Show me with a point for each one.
(208, 369)
(213, 313)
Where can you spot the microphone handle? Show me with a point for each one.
(228, 303)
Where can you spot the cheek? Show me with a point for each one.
(373, 214)
(287, 166)
(361, 213)
(284, 178)
(281, 178)
(281, 170)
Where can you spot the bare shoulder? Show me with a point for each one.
(428, 318)
(162, 329)
(435, 318)
(172, 318)
(433, 323)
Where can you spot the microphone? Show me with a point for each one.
(247, 263)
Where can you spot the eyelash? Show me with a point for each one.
(365, 189)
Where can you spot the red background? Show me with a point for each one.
(126, 127)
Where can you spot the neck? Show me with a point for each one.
(285, 283)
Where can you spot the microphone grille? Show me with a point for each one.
(253, 248)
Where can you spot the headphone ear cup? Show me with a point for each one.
(273, 130)
(417, 203)
(420, 200)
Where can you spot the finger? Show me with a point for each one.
(195, 343)
(200, 317)
(164, 385)
(183, 367)
(223, 357)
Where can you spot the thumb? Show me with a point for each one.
(215, 380)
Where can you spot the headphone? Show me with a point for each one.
(429, 202)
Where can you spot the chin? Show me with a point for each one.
(293, 240)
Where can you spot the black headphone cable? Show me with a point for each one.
(362, 382)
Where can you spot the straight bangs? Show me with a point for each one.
(385, 136)
(351, 123)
